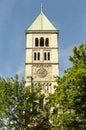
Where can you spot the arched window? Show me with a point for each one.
(36, 42)
(45, 56)
(47, 42)
(38, 56)
(34, 55)
(41, 41)
(48, 55)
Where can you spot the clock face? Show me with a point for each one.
(42, 72)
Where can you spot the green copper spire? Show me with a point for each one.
(41, 23)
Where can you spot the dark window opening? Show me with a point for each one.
(36, 41)
(45, 56)
(41, 41)
(38, 56)
(48, 55)
(47, 42)
(35, 56)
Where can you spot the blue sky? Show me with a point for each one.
(68, 16)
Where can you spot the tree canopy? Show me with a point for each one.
(69, 99)
(20, 107)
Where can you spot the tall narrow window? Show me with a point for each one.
(41, 41)
(34, 55)
(38, 56)
(48, 55)
(36, 41)
(47, 42)
(45, 56)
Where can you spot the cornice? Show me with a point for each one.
(48, 48)
(42, 63)
(41, 31)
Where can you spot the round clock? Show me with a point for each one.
(42, 72)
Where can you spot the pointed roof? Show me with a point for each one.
(41, 23)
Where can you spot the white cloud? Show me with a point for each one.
(63, 58)
(0, 75)
(21, 70)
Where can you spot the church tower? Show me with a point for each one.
(42, 64)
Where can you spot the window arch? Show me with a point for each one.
(47, 42)
(36, 42)
(34, 55)
(41, 41)
(38, 56)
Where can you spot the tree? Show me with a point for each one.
(69, 99)
(10, 92)
(20, 106)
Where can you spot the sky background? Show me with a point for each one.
(68, 16)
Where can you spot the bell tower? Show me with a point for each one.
(42, 64)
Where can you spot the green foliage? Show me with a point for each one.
(69, 99)
(20, 106)
(10, 96)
